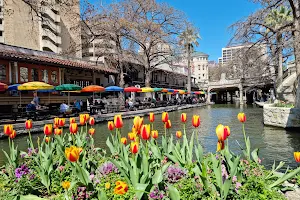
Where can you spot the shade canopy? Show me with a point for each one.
(170, 90)
(114, 89)
(68, 87)
(164, 90)
(147, 89)
(181, 91)
(35, 86)
(3, 87)
(132, 89)
(93, 88)
(13, 87)
(157, 89)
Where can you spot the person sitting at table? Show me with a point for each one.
(31, 107)
(77, 105)
(63, 107)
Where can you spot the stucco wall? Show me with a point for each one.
(281, 117)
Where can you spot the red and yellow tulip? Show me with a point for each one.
(137, 124)
(55, 122)
(145, 131)
(124, 140)
(241, 117)
(151, 117)
(131, 136)
(82, 119)
(72, 120)
(168, 124)
(57, 131)
(183, 117)
(72, 153)
(297, 156)
(165, 117)
(118, 121)
(110, 125)
(121, 188)
(61, 122)
(134, 147)
(92, 121)
(8, 129)
(196, 121)
(13, 134)
(227, 130)
(92, 131)
(221, 134)
(48, 129)
(178, 134)
(28, 124)
(220, 145)
(73, 128)
(154, 134)
(47, 139)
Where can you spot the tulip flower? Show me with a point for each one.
(124, 140)
(118, 121)
(137, 123)
(168, 124)
(151, 117)
(47, 139)
(86, 117)
(82, 119)
(48, 129)
(220, 145)
(131, 136)
(227, 130)
(165, 117)
(73, 128)
(145, 132)
(196, 121)
(66, 185)
(134, 147)
(61, 122)
(13, 134)
(72, 153)
(92, 131)
(121, 188)
(183, 117)
(92, 121)
(110, 125)
(297, 156)
(55, 121)
(178, 134)
(57, 131)
(72, 120)
(221, 134)
(154, 134)
(28, 124)
(8, 129)
(241, 117)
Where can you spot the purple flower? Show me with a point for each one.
(108, 168)
(23, 170)
(237, 186)
(156, 193)
(224, 172)
(23, 155)
(32, 176)
(174, 173)
(92, 177)
(234, 179)
(61, 168)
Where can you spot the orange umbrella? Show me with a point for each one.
(93, 88)
(164, 90)
(3, 87)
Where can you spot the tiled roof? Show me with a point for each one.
(197, 54)
(23, 54)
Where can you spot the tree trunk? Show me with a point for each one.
(147, 78)
(280, 60)
(189, 88)
(297, 59)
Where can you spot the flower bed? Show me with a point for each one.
(67, 165)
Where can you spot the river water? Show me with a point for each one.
(275, 144)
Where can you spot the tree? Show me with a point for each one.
(188, 39)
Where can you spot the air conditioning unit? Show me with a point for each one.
(137, 86)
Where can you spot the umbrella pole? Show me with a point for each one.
(68, 98)
(49, 98)
(20, 97)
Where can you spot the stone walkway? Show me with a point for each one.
(38, 125)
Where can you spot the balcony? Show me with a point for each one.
(49, 46)
(55, 38)
(50, 25)
(1, 27)
(50, 14)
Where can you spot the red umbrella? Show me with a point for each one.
(132, 89)
(3, 87)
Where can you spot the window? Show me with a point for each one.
(0, 21)
(23, 74)
(199, 67)
(203, 75)
(45, 77)
(34, 74)
(1, 33)
(203, 67)
(199, 77)
(2, 72)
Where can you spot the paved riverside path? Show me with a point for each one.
(39, 125)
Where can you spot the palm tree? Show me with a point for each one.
(188, 39)
(276, 19)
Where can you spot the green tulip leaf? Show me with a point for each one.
(173, 192)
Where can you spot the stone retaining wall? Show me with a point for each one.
(38, 125)
(281, 117)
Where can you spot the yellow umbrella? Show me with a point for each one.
(147, 89)
(35, 86)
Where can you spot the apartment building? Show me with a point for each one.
(200, 68)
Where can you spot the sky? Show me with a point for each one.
(212, 17)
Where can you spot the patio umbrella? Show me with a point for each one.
(93, 89)
(114, 89)
(3, 87)
(170, 90)
(13, 87)
(132, 89)
(181, 91)
(147, 89)
(68, 88)
(164, 90)
(157, 89)
(35, 86)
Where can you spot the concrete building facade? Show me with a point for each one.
(200, 68)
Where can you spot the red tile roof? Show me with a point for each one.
(23, 54)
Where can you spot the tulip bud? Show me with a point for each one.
(183, 117)
(82, 119)
(13, 134)
(154, 134)
(92, 121)
(48, 129)
(124, 140)
(66, 185)
(220, 145)
(55, 121)
(92, 131)
(227, 130)
(118, 121)
(28, 124)
(72, 153)
(57, 131)
(145, 132)
(134, 147)
(221, 133)
(73, 128)
(137, 123)
(86, 117)
(47, 139)
(8, 129)
(168, 124)
(241, 117)
(131, 136)
(196, 121)
(61, 122)
(72, 120)
(165, 117)
(151, 117)
(297, 156)
(110, 125)
(178, 134)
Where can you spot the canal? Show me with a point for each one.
(274, 144)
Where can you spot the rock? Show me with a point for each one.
(293, 195)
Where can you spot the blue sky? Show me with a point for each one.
(212, 17)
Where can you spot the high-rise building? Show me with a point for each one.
(229, 53)
(200, 67)
(42, 25)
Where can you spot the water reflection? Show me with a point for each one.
(274, 144)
